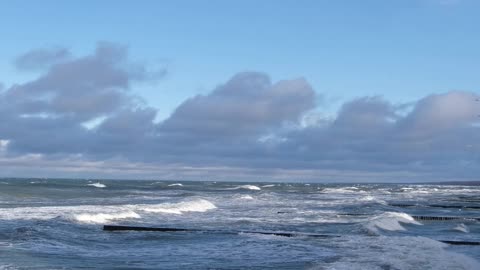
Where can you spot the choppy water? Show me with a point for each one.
(57, 224)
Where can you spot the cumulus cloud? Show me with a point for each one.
(83, 88)
(46, 115)
(249, 104)
(248, 128)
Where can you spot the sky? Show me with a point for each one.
(327, 91)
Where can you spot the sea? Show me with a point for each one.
(59, 224)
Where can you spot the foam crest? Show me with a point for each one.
(200, 205)
(343, 190)
(402, 253)
(369, 198)
(390, 221)
(267, 186)
(249, 187)
(103, 218)
(176, 185)
(97, 185)
(461, 228)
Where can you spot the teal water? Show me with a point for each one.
(57, 224)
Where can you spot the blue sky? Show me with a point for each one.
(398, 49)
(401, 50)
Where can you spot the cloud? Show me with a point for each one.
(82, 88)
(247, 128)
(41, 58)
(247, 105)
(46, 115)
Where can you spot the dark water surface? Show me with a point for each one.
(57, 224)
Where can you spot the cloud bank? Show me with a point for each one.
(81, 118)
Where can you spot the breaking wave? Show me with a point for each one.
(176, 185)
(200, 205)
(390, 221)
(369, 198)
(343, 190)
(102, 214)
(402, 253)
(97, 185)
(249, 187)
(461, 228)
(103, 218)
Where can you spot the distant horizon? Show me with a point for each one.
(460, 182)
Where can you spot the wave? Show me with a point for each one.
(267, 186)
(200, 205)
(461, 228)
(402, 253)
(246, 197)
(390, 221)
(97, 185)
(156, 183)
(343, 190)
(369, 198)
(102, 213)
(8, 267)
(176, 185)
(439, 190)
(103, 218)
(249, 187)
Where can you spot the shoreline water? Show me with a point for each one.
(53, 223)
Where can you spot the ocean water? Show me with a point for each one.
(57, 224)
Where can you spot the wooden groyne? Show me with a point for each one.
(284, 234)
(165, 229)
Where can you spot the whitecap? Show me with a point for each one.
(461, 228)
(246, 197)
(97, 185)
(103, 217)
(176, 185)
(390, 221)
(267, 186)
(370, 198)
(199, 205)
(400, 253)
(249, 187)
(343, 190)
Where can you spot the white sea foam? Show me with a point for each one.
(402, 253)
(104, 213)
(156, 183)
(199, 205)
(97, 185)
(390, 221)
(267, 186)
(343, 190)
(462, 228)
(421, 189)
(8, 267)
(103, 217)
(176, 185)
(370, 198)
(249, 187)
(246, 197)
(76, 212)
